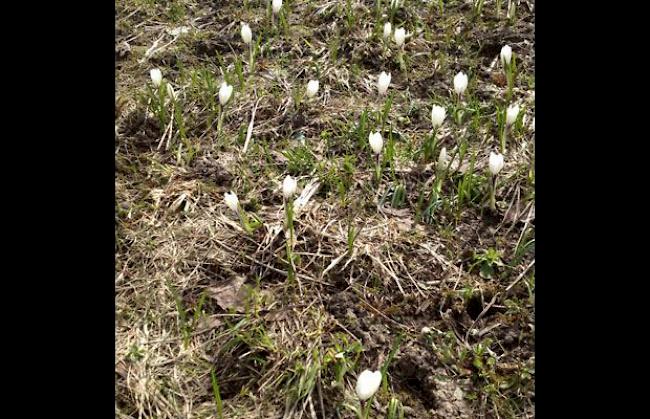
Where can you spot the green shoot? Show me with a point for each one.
(288, 207)
(239, 71)
(217, 394)
(182, 315)
(389, 359)
(353, 233)
(395, 409)
(386, 109)
(478, 8)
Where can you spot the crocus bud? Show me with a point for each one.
(368, 384)
(443, 159)
(225, 91)
(312, 88)
(232, 201)
(289, 187)
(460, 83)
(506, 55)
(511, 114)
(383, 82)
(438, 114)
(388, 28)
(277, 5)
(495, 163)
(400, 36)
(246, 33)
(395, 4)
(170, 92)
(376, 142)
(156, 76)
(532, 125)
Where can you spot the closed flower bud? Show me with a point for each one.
(232, 201)
(289, 187)
(388, 28)
(368, 384)
(225, 91)
(277, 5)
(376, 142)
(170, 92)
(506, 55)
(438, 114)
(511, 114)
(460, 83)
(383, 82)
(312, 88)
(400, 36)
(246, 33)
(495, 163)
(156, 77)
(443, 159)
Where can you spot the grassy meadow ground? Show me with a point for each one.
(412, 273)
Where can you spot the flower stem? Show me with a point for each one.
(378, 170)
(288, 205)
(493, 187)
(251, 62)
(510, 78)
(385, 111)
(366, 407)
(431, 145)
(222, 112)
(243, 218)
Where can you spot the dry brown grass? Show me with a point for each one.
(270, 342)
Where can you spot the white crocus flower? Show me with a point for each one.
(376, 142)
(438, 114)
(511, 114)
(506, 55)
(368, 384)
(383, 82)
(312, 88)
(443, 159)
(460, 83)
(246, 33)
(232, 201)
(277, 5)
(225, 92)
(400, 36)
(289, 187)
(495, 163)
(388, 28)
(156, 76)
